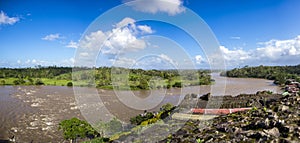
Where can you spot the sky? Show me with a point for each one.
(70, 32)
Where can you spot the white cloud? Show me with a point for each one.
(160, 61)
(118, 40)
(123, 40)
(199, 59)
(27, 62)
(72, 60)
(52, 37)
(234, 54)
(279, 52)
(72, 44)
(34, 61)
(172, 7)
(4, 19)
(67, 62)
(93, 40)
(168, 59)
(84, 54)
(145, 29)
(123, 62)
(124, 22)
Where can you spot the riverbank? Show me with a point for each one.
(180, 121)
(23, 108)
(277, 121)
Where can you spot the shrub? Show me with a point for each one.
(177, 84)
(168, 86)
(144, 123)
(39, 82)
(115, 125)
(74, 128)
(2, 82)
(69, 84)
(30, 81)
(18, 81)
(167, 107)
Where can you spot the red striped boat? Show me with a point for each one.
(217, 111)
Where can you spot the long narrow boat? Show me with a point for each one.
(217, 111)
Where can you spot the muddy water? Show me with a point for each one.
(32, 113)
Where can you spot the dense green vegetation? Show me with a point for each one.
(104, 77)
(35, 76)
(277, 73)
(75, 128)
(149, 117)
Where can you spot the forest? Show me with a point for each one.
(104, 77)
(277, 73)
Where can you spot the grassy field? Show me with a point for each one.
(46, 81)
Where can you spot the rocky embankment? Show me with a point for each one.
(273, 121)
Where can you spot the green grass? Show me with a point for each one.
(57, 82)
(8, 81)
(46, 81)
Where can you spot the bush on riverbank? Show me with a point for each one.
(75, 128)
(149, 117)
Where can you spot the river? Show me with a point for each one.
(32, 113)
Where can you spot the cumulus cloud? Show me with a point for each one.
(124, 37)
(172, 7)
(35, 62)
(199, 59)
(160, 61)
(52, 37)
(145, 29)
(270, 52)
(123, 40)
(4, 19)
(72, 44)
(93, 41)
(125, 22)
(234, 54)
(123, 62)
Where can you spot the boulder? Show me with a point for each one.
(273, 132)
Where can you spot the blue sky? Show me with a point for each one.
(250, 32)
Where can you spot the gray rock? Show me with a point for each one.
(273, 132)
(283, 108)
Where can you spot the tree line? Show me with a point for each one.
(277, 73)
(103, 77)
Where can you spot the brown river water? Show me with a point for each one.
(32, 113)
